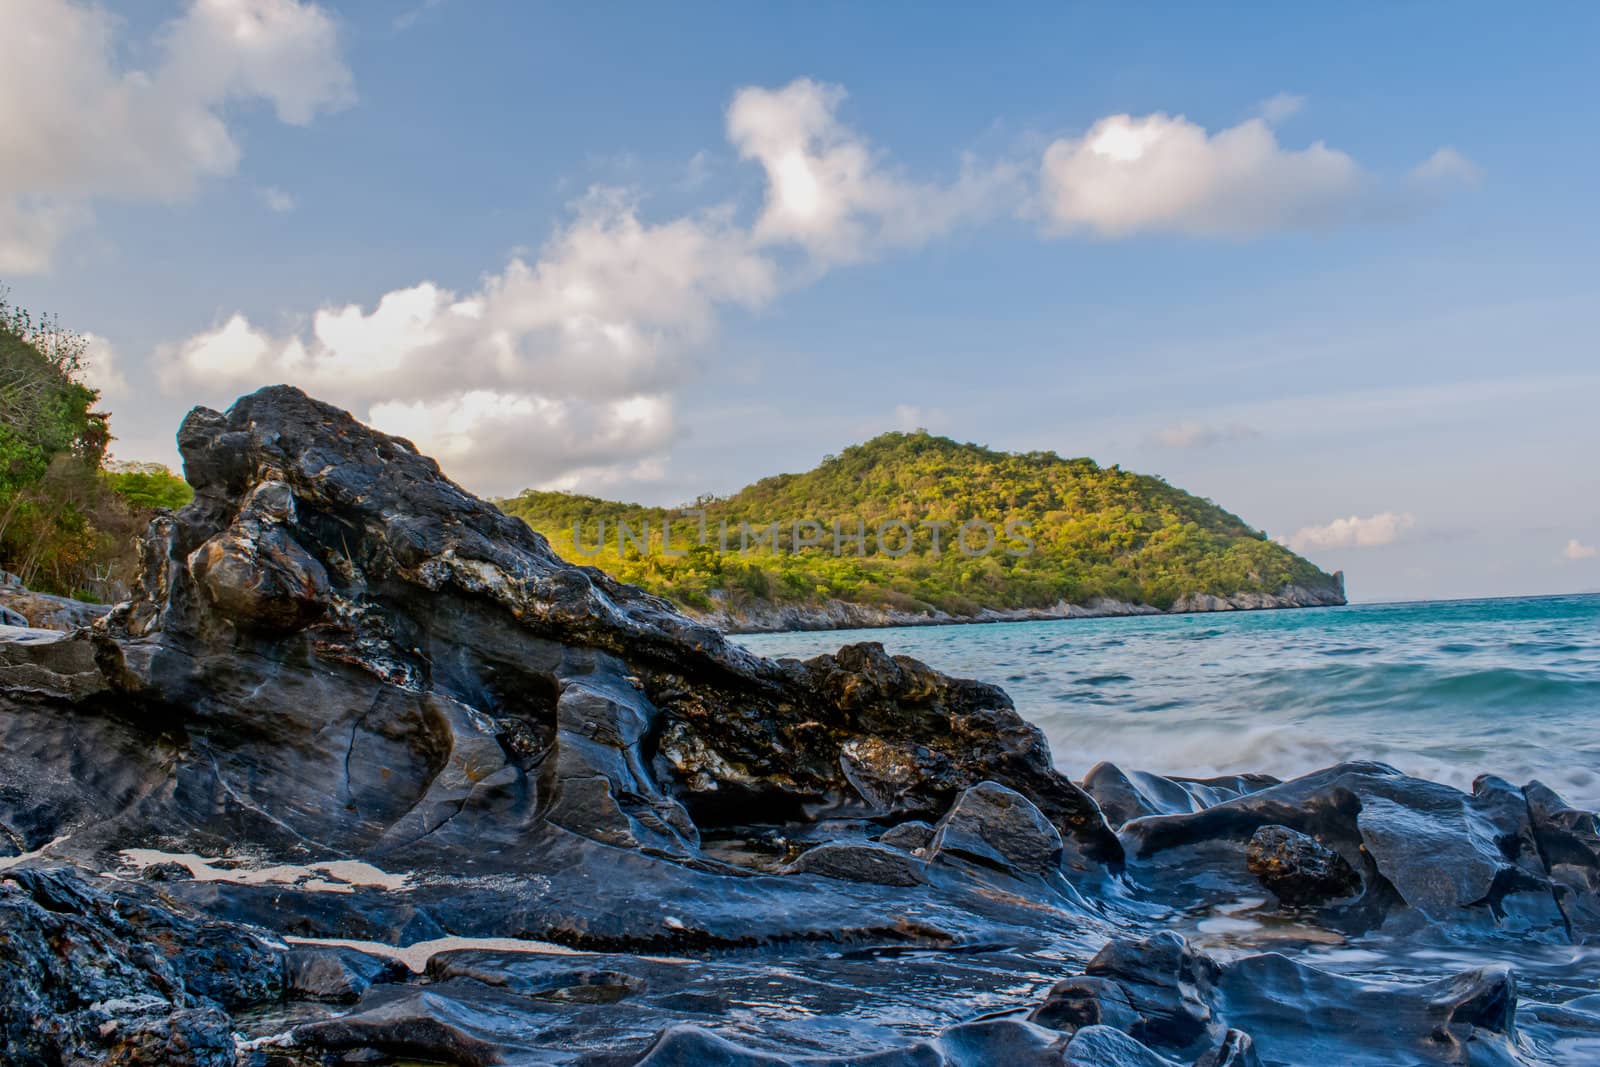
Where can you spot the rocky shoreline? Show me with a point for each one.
(365, 774)
(846, 615)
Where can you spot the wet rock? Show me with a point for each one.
(1169, 987)
(911, 836)
(89, 977)
(336, 975)
(411, 1026)
(1451, 856)
(199, 1036)
(1124, 795)
(1271, 1009)
(1102, 1046)
(860, 862)
(1086, 1000)
(996, 826)
(1299, 870)
(1237, 1049)
(883, 736)
(1009, 1041)
(1568, 841)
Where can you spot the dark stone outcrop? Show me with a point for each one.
(364, 772)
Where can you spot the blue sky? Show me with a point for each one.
(1335, 269)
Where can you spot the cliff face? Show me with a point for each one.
(366, 773)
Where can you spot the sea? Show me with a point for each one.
(1446, 690)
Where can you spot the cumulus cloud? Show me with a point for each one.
(95, 128)
(1446, 166)
(103, 369)
(1201, 435)
(831, 193)
(1162, 173)
(565, 362)
(1576, 550)
(1373, 531)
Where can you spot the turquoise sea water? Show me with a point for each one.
(1445, 689)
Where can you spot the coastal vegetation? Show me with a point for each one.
(1064, 530)
(69, 516)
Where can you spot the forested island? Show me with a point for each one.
(875, 536)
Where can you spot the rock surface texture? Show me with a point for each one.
(366, 774)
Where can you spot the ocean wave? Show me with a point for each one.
(1446, 691)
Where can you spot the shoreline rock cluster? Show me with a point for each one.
(364, 773)
(845, 615)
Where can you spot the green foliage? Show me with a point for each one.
(147, 486)
(1096, 532)
(66, 525)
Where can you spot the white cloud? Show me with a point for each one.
(910, 417)
(1281, 107)
(277, 200)
(1163, 174)
(1373, 531)
(474, 436)
(94, 128)
(1202, 435)
(103, 369)
(1447, 166)
(829, 192)
(566, 362)
(1576, 550)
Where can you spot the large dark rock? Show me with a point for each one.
(362, 655)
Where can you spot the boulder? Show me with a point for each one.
(911, 836)
(997, 826)
(414, 1026)
(860, 862)
(1299, 870)
(42, 611)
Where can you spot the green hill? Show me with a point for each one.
(1064, 532)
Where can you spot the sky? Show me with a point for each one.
(1334, 267)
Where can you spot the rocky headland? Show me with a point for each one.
(757, 618)
(364, 773)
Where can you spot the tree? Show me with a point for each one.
(67, 525)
